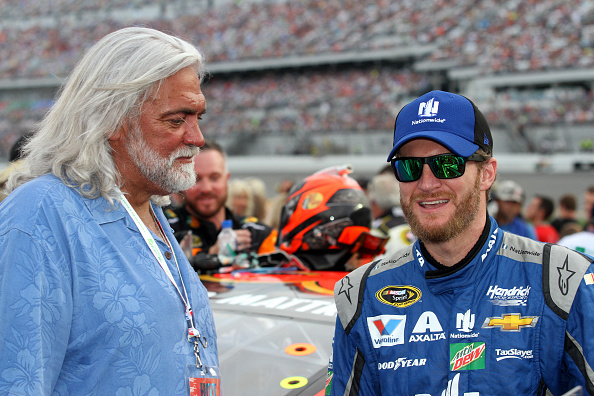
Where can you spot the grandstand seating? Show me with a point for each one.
(41, 41)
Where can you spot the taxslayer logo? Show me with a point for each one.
(465, 356)
(513, 353)
(386, 330)
(398, 296)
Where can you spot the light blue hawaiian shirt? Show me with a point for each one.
(85, 308)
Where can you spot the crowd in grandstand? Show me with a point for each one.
(44, 39)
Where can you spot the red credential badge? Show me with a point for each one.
(202, 386)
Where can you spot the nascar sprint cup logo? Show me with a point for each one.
(399, 296)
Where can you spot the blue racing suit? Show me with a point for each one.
(513, 318)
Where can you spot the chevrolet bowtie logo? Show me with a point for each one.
(511, 322)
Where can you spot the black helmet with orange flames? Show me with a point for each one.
(325, 222)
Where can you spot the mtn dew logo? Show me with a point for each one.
(467, 356)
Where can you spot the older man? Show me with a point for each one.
(468, 309)
(95, 293)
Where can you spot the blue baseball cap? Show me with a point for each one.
(449, 119)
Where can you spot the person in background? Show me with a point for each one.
(509, 197)
(276, 203)
(200, 219)
(240, 198)
(567, 212)
(467, 309)
(582, 241)
(588, 202)
(96, 295)
(538, 211)
(260, 199)
(388, 217)
(14, 162)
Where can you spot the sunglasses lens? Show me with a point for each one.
(408, 169)
(447, 166)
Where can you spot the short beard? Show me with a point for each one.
(466, 212)
(161, 170)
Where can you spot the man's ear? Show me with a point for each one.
(120, 132)
(489, 173)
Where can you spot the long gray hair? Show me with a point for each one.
(106, 89)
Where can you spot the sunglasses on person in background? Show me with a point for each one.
(443, 166)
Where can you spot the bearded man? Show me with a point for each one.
(96, 295)
(199, 219)
(468, 309)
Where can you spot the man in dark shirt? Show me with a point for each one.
(203, 212)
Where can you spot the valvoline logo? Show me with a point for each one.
(386, 330)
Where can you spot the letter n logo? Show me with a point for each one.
(428, 109)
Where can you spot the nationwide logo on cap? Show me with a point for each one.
(429, 108)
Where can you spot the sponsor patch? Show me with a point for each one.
(401, 362)
(386, 330)
(427, 328)
(589, 279)
(399, 296)
(513, 353)
(516, 296)
(467, 356)
(510, 322)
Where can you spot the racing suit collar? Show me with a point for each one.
(441, 279)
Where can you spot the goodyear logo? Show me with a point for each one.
(399, 296)
(510, 322)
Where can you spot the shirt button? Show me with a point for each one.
(168, 255)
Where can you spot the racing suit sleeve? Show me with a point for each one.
(567, 342)
(349, 373)
(579, 336)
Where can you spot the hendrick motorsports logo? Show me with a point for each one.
(399, 296)
(386, 330)
(517, 296)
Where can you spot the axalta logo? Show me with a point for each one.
(511, 322)
(427, 328)
(429, 108)
(386, 330)
(465, 356)
(515, 296)
(513, 353)
(401, 362)
(398, 296)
